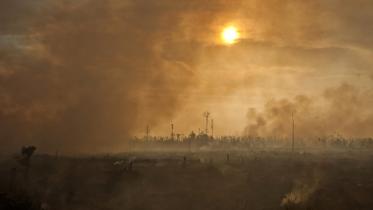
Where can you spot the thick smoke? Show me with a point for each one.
(82, 75)
(343, 110)
(79, 76)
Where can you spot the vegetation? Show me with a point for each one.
(191, 180)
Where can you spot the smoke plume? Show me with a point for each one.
(342, 110)
(81, 75)
(302, 190)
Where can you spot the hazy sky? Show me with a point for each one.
(80, 75)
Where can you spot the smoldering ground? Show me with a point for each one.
(255, 180)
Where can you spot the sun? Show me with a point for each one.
(230, 35)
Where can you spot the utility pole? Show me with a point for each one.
(206, 115)
(172, 131)
(212, 128)
(147, 132)
(292, 144)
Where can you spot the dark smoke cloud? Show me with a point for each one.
(79, 76)
(342, 110)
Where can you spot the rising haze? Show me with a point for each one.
(84, 75)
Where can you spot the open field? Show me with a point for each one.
(208, 180)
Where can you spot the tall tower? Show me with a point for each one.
(206, 115)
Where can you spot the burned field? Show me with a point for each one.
(208, 180)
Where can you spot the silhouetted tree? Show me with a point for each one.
(24, 160)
